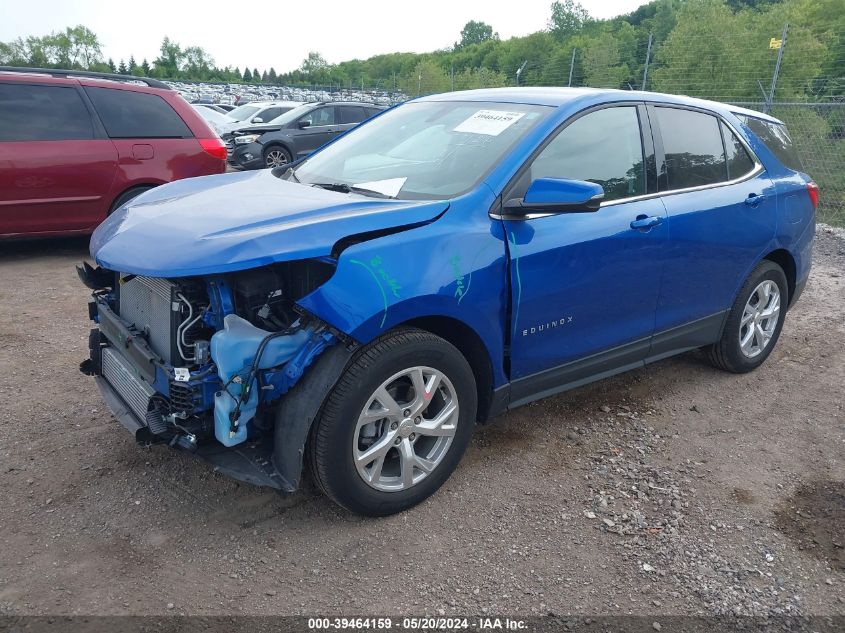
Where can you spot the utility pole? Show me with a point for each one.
(571, 67)
(647, 60)
(419, 84)
(777, 66)
(452, 76)
(519, 71)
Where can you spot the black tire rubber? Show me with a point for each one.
(329, 448)
(127, 195)
(726, 353)
(270, 148)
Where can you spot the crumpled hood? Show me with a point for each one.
(228, 222)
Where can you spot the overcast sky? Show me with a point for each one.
(265, 33)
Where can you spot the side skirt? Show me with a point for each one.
(608, 363)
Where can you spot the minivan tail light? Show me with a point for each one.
(213, 147)
(813, 190)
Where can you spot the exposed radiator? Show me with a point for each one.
(134, 391)
(146, 302)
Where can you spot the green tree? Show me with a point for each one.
(256, 76)
(568, 17)
(132, 66)
(121, 68)
(247, 77)
(145, 68)
(170, 59)
(112, 67)
(196, 63)
(475, 33)
(271, 76)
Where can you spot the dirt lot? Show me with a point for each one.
(675, 489)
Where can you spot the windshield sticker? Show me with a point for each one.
(489, 122)
(389, 187)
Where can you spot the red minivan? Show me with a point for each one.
(76, 145)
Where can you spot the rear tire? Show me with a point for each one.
(382, 445)
(755, 321)
(126, 196)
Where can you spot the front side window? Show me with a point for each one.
(603, 147)
(739, 162)
(424, 150)
(320, 116)
(128, 114)
(43, 113)
(692, 142)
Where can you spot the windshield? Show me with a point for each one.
(212, 115)
(242, 113)
(423, 150)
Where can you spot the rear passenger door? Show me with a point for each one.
(56, 167)
(721, 213)
(321, 128)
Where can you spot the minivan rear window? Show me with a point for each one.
(43, 113)
(776, 138)
(128, 114)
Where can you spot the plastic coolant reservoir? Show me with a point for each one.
(233, 349)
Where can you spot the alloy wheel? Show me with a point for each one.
(759, 319)
(405, 429)
(275, 158)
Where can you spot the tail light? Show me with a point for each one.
(213, 147)
(813, 190)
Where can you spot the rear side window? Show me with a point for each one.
(693, 146)
(776, 138)
(269, 114)
(739, 162)
(351, 114)
(603, 147)
(127, 114)
(43, 113)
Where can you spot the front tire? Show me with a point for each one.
(276, 156)
(396, 424)
(754, 322)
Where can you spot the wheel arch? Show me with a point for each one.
(143, 186)
(472, 348)
(786, 261)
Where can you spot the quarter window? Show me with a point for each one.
(128, 114)
(603, 147)
(351, 114)
(739, 162)
(776, 138)
(43, 113)
(693, 146)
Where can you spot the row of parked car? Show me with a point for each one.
(75, 146)
(238, 94)
(274, 133)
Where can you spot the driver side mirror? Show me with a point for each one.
(303, 124)
(258, 119)
(557, 195)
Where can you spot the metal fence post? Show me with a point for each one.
(571, 67)
(647, 60)
(777, 66)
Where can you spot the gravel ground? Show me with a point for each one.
(674, 489)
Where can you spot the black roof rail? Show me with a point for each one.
(58, 72)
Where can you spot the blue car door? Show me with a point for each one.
(584, 286)
(721, 211)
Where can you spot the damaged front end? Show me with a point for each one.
(200, 363)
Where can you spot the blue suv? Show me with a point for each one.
(358, 311)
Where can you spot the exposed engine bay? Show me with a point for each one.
(200, 359)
